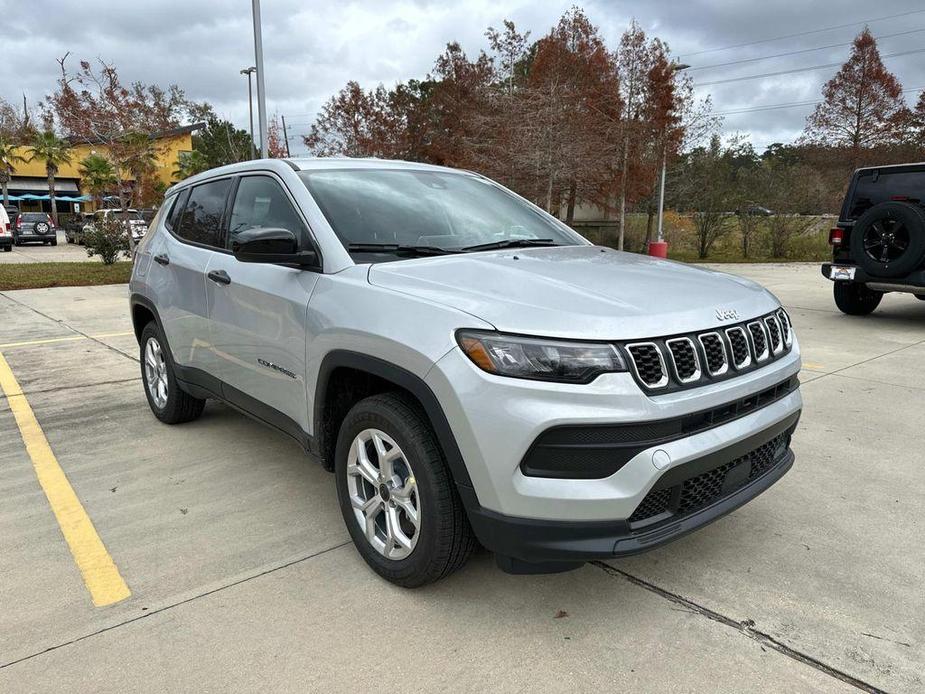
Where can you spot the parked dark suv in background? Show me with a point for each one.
(33, 227)
(878, 245)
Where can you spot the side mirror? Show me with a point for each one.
(271, 246)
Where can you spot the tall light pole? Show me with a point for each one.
(261, 92)
(675, 67)
(250, 107)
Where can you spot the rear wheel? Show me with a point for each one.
(168, 402)
(856, 299)
(396, 493)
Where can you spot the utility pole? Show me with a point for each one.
(250, 108)
(261, 91)
(286, 137)
(675, 67)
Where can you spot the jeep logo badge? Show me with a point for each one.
(726, 314)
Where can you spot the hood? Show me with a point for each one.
(583, 292)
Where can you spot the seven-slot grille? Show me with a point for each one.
(715, 351)
(773, 326)
(759, 341)
(785, 327)
(738, 341)
(685, 361)
(649, 364)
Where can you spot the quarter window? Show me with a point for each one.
(261, 203)
(201, 219)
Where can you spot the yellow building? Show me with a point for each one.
(31, 180)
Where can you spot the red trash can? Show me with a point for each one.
(659, 249)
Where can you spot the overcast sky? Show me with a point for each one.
(312, 48)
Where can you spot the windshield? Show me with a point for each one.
(401, 210)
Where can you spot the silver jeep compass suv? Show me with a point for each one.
(469, 368)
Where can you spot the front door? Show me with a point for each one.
(258, 310)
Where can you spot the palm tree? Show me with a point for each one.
(9, 156)
(55, 151)
(189, 164)
(98, 175)
(139, 157)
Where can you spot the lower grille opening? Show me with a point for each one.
(701, 490)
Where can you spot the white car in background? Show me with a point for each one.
(136, 223)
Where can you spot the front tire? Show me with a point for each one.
(168, 402)
(396, 494)
(856, 299)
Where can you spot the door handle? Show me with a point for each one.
(219, 276)
(162, 259)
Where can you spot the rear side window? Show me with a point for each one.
(262, 203)
(201, 219)
(174, 216)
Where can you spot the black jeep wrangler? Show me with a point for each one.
(878, 245)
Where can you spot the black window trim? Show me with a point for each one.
(313, 241)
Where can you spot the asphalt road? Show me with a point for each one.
(241, 577)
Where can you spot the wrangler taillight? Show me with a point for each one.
(836, 236)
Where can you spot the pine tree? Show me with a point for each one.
(860, 103)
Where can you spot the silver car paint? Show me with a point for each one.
(581, 292)
(179, 290)
(407, 312)
(496, 419)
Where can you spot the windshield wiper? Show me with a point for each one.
(399, 249)
(509, 243)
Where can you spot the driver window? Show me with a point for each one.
(261, 203)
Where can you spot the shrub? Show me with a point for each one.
(106, 238)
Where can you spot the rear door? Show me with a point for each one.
(258, 310)
(178, 273)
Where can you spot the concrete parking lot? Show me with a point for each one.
(64, 252)
(241, 576)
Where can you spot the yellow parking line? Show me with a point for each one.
(100, 573)
(70, 338)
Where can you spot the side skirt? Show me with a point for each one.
(200, 384)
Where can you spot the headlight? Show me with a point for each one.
(539, 359)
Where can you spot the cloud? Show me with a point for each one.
(312, 48)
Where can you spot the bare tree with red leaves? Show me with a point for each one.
(92, 105)
(276, 139)
(861, 103)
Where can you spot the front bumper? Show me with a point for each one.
(685, 499)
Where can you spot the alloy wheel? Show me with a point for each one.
(886, 240)
(383, 494)
(156, 373)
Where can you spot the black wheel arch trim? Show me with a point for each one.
(404, 379)
(137, 299)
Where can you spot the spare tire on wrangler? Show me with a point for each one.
(889, 239)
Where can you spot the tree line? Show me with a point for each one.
(565, 120)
